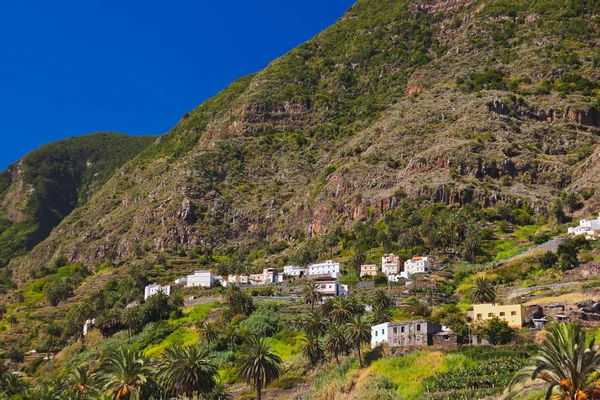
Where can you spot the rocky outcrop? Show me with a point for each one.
(589, 117)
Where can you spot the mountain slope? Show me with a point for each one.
(455, 101)
(39, 190)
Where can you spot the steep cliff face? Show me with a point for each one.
(454, 100)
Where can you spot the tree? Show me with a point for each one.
(382, 300)
(12, 320)
(157, 307)
(327, 305)
(472, 243)
(358, 333)
(335, 341)
(548, 260)
(208, 332)
(133, 319)
(330, 241)
(558, 212)
(58, 291)
(177, 300)
(315, 325)
(15, 355)
(239, 301)
(497, 331)
(12, 385)
(381, 315)
(565, 361)
(572, 201)
(187, 371)
(126, 374)
(257, 365)
(83, 383)
(358, 259)
(341, 311)
(311, 294)
(482, 290)
(312, 350)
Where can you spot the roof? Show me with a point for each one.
(412, 321)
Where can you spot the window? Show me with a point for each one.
(490, 315)
(395, 330)
(383, 331)
(513, 313)
(376, 333)
(418, 327)
(479, 316)
(402, 329)
(502, 313)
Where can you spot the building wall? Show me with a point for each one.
(151, 290)
(368, 270)
(406, 333)
(325, 268)
(379, 334)
(514, 314)
(203, 279)
(390, 264)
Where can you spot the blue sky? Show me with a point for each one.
(71, 67)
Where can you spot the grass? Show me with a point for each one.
(183, 336)
(286, 344)
(406, 373)
(197, 313)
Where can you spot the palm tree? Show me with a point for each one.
(316, 324)
(311, 349)
(208, 332)
(187, 371)
(381, 315)
(83, 383)
(565, 362)
(483, 290)
(342, 310)
(472, 243)
(328, 305)
(12, 385)
(311, 295)
(335, 341)
(359, 333)
(133, 319)
(257, 365)
(381, 299)
(126, 374)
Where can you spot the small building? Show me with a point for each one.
(181, 281)
(588, 227)
(203, 279)
(328, 267)
(238, 279)
(394, 278)
(88, 326)
(368, 270)
(514, 314)
(293, 270)
(404, 333)
(405, 275)
(330, 287)
(151, 290)
(390, 264)
(417, 265)
(445, 339)
(539, 323)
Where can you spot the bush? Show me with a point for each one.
(548, 260)
(542, 238)
(263, 323)
(58, 291)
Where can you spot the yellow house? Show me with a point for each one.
(514, 314)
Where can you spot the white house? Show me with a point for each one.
(588, 227)
(393, 278)
(293, 270)
(390, 264)
(180, 281)
(405, 275)
(329, 267)
(151, 290)
(417, 265)
(379, 334)
(330, 287)
(203, 279)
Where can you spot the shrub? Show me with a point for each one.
(263, 323)
(58, 291)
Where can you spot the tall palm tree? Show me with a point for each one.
(359, 333)
(83, 383)
(312, 350)
(565, 362)
(208, 332)
(358, 259)
(311, 294)
(327, 305)
(187, 371)
(257, 365)
(316, 324)
(381, 315)
(483, 290)
(342, 310)
(126, 374)
(335, 341)
(472, 243)
(381, 299)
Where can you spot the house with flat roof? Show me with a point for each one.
(404, 333)
(368, 270)
(417, 265)
(330, 287)
(514, 314)
(152, 289)
(391, 264)
(328, 267)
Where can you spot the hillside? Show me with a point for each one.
(39, 190)
(463, 129)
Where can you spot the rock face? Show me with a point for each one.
(392, 101)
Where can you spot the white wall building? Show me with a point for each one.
(393, 278)
(588, 227)
(293, 270)
(417, 265)
(379, 334)
(330, 287)
(180, 281)
(203, 279)
(328, 267)
(390, 264)
(151, 290)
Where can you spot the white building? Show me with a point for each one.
(239, 279)
(588, 227)
(405, 275)
(393, 278)
(379, 334)
(151, 290)
(293, 270)
(390, 264)
(329, 267)
(417, 265)
(180, 281)
(202, 279)
(88, 326)
(330, 287)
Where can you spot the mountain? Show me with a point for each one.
(39, 190)
(455, 101)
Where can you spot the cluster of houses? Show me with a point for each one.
(395, 270)
(588, 227)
